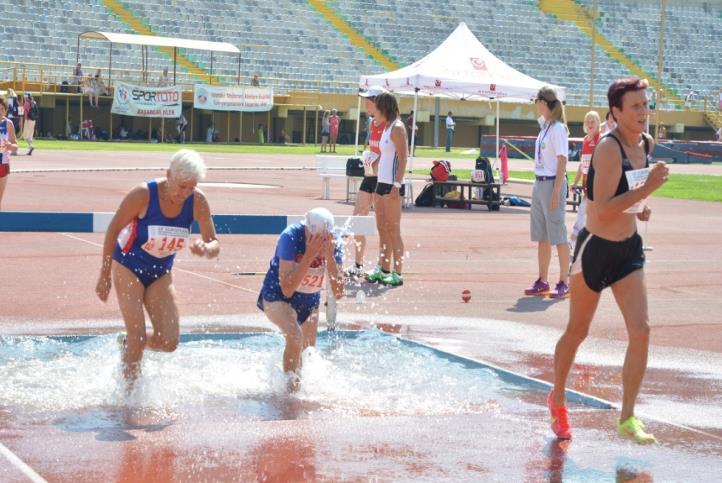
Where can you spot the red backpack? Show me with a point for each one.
(441, 170)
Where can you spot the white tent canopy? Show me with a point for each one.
(460, 68)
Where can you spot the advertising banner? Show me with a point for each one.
(233, 98)
(145, 101)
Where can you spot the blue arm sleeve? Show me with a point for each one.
(286, 249)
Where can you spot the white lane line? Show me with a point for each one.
(217, 281)
(162, 169)
(21, 465)
(221, 282)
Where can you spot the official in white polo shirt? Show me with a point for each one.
(549, 195)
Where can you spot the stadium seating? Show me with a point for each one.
(292, 46)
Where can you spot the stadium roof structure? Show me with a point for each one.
(461, 68)
(157, 41)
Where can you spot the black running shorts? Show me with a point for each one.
(604, 262)
(368, 184)
(383, 189)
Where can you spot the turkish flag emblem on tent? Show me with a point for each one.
(492, 87)
(477, 63)
(437, 83)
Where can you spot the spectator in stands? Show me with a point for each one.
(411, 128)
(8, 145)
(151, 225)
(283, 137)
(690, 98)
(26, 108)
(32, 114)
(68, 128)
(325, 130)
(718, 134)
(13, 109)
(255, 82)
(210, 133)
(164, 79)
(78, 78)
(662, 132)
(87, 130)
(450, 125)
(100, 85)
(608, 124)
(180, 125)
(123, 133)
(333, 126)
(94, 87)
(261, 135)
(610, 253)
(389, 192)
(548, 206)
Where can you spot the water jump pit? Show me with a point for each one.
(371, 407)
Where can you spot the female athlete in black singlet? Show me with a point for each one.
(609, 253)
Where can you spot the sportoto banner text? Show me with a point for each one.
(142, 101)
(233, 98)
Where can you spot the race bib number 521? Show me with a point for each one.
(313, 280)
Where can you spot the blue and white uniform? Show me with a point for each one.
(307, 297)
(147, 246)
(4, 157)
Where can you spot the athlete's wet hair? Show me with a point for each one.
(187, 163)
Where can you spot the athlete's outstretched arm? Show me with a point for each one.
(132, 205)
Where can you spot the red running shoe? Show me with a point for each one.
(560, 419)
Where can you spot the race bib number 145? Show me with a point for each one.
(164, 241)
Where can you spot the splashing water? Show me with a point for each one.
(369, 374)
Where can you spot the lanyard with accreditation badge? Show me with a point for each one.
(540, 163)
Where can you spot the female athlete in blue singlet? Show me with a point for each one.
(151, 225)
(306, 252)
(8, 144)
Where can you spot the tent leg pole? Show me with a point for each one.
(358, 124)
(497, 133)
(413, 132)
(437, 112)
